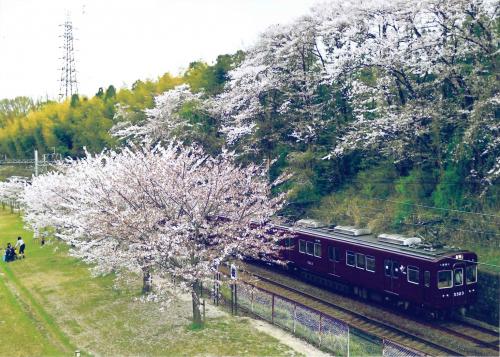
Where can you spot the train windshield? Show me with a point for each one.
(471, 274)
(458, 277)
(444, 279)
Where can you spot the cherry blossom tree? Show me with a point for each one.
(411, 68)
(164, 121)
(274, 95)
(11, 191)
(170, 211)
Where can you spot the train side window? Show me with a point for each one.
(317, 250)
(370, 263)
(360, 261)
(444, 279)
(310, 248)
(387, 267)
(336, 252)
(471, 274)
(427, 278)
(302, 246)
(350, 260)
(458, 277)
(413, 275)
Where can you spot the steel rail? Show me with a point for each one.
(444, 329)
(375, 322)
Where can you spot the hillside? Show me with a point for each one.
(383, 116)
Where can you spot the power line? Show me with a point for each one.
(422, 225)
(395, 182)
(471, 261)
(431, 207)
(409, 204)
(455, 229)
(433, 217)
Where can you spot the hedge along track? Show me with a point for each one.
(421, 336)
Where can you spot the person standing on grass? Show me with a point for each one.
(21, 245)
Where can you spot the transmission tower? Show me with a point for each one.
(68, 83)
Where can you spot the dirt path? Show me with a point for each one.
(286, 338)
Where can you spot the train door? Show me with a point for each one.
(287, 252)
(459, 296)
(391, 276)
(427, 288)
(334, 259)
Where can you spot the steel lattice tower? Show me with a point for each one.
(68, 83)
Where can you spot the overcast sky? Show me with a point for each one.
(119, 42)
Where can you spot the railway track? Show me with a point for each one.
(476, 334)
(449, 339)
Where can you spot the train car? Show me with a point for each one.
(387, 267)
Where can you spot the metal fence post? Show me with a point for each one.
(348, 347)
(232, 299)
(294, 316)
(214, 289)
(235, 299)
(272, 309)
(320, 327)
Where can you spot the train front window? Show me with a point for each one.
(427, 278)
(336, 252)
(310, 248)
(317, 250)
(350, 260)
(302, 246)
(360, 261)
(471, 274)
(370, 263)
(413, 275)
(444, 279)
(458, 277)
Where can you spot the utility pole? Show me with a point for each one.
(36, 162)
(68, 84)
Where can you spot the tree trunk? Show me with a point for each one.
(196, 304)
(147, 281)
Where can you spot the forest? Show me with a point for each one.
(379, 114)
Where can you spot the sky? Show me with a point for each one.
(118, 42)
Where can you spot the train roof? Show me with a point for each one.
(369, 240)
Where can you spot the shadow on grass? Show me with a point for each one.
(194, 326)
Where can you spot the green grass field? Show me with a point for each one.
(50, 305)
(7, 171)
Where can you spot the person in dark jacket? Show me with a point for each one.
(10, 254)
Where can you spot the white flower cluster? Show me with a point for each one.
(169, 212)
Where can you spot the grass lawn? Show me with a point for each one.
(50, 305)
(7, 171)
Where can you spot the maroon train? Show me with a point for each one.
(385, 268)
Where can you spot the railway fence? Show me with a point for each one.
(328, 333)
